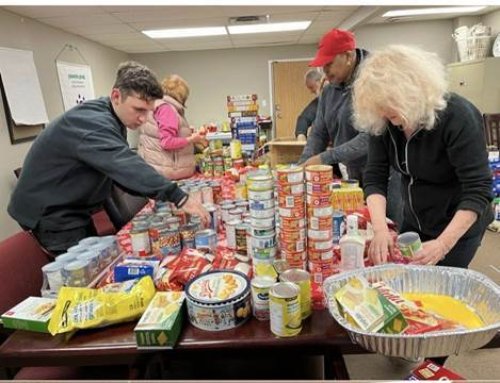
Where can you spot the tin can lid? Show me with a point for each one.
(88, 241)
(263, 281)
(53, 266)
(294, 275)
(216, 287)
(205, 232)
(76, 265)
(285, 290)
(77, 249)
(67, 257)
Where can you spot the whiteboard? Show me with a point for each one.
(22, 87)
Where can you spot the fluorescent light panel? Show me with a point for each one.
(185, 32)
(268, 27)
(430, 11)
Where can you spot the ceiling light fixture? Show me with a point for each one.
(430, 11)
(185, 32)
(268, 27)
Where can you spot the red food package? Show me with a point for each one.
(431, 371)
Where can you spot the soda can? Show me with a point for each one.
(284, 309)
(303, 280)
(409, 243)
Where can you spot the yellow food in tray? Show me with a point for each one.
(447, 307)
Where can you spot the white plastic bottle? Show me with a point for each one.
(352, 246)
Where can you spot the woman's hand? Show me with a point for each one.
(431, 253)
(196, 138)
(314, 160)
(193, 207)
(380, 247)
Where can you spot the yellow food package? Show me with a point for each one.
(79, 308)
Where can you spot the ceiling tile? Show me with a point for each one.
(77, 20)
(180, 23)
(52, 11)
(103, 29)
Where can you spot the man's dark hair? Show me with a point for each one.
(134, 77)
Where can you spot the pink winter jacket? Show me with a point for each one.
(161, 130)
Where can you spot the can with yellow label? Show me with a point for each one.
(303, 280)
(284, 307)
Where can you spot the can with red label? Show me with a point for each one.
(319, 223)
(318, 200)
(291, 201)
(319, 173)
(291, 224)
(324, 188)
(290, 174)
(291, 189)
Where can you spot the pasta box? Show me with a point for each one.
(161, 323)
(32, 314)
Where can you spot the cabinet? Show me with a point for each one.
(478, 81)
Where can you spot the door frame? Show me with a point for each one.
(271, 87)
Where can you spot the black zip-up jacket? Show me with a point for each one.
(443, 170)
(69, 170)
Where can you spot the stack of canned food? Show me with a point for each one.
(262, 228)
(81, 264)
(291, 208)
(234, 214)
(319, 179)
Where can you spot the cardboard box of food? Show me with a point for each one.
(161, 323)
(32, 314)
(431, 371)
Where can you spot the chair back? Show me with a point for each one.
(21, 260)
(492, 129)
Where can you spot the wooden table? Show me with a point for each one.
(320, 335)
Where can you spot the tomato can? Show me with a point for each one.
(319, 173)
(319, 189)
(291, 201)
(291, 189)
(290, 174)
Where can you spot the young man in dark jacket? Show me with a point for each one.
(71, 166)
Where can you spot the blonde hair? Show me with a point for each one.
(406, 79)
(176, 87)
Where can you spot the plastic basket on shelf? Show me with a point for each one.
(473, 47)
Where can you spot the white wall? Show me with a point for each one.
(493, 20)
(432, 35)
(45, 42)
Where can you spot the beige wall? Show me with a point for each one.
(45, 42)
(432, 35)
(493, 20)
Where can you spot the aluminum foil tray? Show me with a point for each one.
(477, 290)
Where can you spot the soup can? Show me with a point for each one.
(319, 173)
(290, 174)
(206, 240)
(409, 243)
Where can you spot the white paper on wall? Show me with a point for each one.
(76, 83)
(22, 87)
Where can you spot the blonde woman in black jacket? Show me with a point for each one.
(435, 140)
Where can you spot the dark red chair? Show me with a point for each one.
(21, 260)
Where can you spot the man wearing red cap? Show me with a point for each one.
(340, 59)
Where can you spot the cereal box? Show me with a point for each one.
(32, 314)
(161, 323)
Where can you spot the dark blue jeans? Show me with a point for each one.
(58, 242)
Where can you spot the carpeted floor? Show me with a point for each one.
(474, 365)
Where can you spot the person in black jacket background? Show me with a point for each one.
(435, 140)
(70, 168)
(313, 81)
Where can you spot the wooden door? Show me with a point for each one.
(290, 95)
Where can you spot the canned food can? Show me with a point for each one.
(320, 255)
(292, 246)
(262, 222)
(187, 233)
(260, 296)
(321, 235)
(319, 189)
(290, 174)
(319, 245)
(263, 267)
(321, 212)
(260, 182)
(261, 195)
(409, 243)
(319, 223)
(266, 253)
(350, 184)
(154, 234)
(280, 265)
(261, 205)
(241, 238)
(139, 239)
(206, 240)
(243, 205)
(231, 233)
(284, 309)
(293, 235)
(225, 209)
(207, 195)
(240, 191)
(318, 200)
(76, 273)
(294, 256)
(291, 189)
(303, 280)
(319, 173)
(291, 201)
(263, 241)
(258, 232)
(292, 213)
(235, 214)
(214, 219)
(338, 225)
(170, 242)
(292, 223)
(235, 149)
(265, 213)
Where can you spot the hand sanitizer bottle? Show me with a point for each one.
(352, 246)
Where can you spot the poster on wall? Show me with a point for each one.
(76, 83)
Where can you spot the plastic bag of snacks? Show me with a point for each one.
(79, 308)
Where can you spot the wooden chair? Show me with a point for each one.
(492, 129)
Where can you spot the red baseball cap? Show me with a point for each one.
(331, 44)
